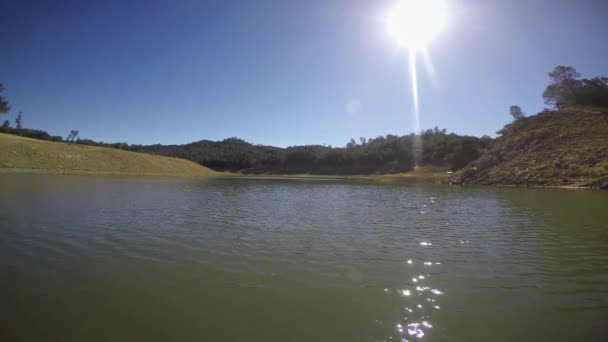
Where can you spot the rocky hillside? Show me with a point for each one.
(554, 148)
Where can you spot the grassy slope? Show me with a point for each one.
(558, 148)
(24, 154)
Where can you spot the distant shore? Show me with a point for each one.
(423, 174)
(404, 178)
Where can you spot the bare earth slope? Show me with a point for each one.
(554, 148)
(24, 154)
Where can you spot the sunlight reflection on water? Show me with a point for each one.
(416, 321)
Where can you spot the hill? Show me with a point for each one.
(554, 148)
(18, 154)
(382, 155)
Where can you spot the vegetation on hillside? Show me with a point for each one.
(553, 148)
(29, 133)
(4, 106)
(564, 146)
(567, 89)
(383, 155)
(18, 153)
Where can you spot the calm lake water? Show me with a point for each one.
(120, 259)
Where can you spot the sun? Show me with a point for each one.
(414, 23)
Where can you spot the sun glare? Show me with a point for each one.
(414, 23)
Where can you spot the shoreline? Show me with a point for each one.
(411, 176)
(404, 178)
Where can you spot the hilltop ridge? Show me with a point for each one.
(567, 147)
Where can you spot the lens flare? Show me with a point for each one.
(414, 23)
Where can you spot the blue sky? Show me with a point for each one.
(281, 72)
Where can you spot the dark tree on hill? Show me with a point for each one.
(4, 107)
(561, 90)
(593, 92)
(562, 74)
(72, 137)
(568, 89)
(6, 125)
(516, 112)
(19, 121)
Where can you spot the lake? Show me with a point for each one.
(125, 259)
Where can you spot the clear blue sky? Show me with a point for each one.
(281, 72)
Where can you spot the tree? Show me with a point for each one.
(593, 92)
(561, 90)
(516, 112)
(19, 121)
(568, 89)
(4, 107)
(6, 125)
(562, 74)
(72, 137)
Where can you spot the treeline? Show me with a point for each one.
(42, 135)
(29, 133)
(567, 89)
(382, 155)
(120, 146)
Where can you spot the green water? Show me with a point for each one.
(119, 259)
